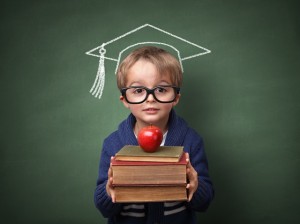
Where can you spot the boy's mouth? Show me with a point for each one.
(150, 110)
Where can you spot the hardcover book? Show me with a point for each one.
(149, 173)
(126, 194)
(162, 154)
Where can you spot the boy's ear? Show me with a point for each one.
(124, 101)
(176, 101)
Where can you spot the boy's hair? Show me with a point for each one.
(165, 63)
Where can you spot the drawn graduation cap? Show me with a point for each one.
(145, 35)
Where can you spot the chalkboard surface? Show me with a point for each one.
(243, 98)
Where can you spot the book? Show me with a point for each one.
(126, 194)
(162, 154)
(149, 173)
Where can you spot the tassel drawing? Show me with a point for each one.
(98, 85)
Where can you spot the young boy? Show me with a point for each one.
(149, 80)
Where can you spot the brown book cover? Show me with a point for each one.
(125, 194)
(162, 154)
(149, 173)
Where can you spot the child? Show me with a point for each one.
(149, 80)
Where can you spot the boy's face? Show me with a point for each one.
(144, 73)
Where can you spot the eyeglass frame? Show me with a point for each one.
(150, 91)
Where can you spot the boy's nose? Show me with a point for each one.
(150, 98)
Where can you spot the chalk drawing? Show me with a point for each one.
(98, 86)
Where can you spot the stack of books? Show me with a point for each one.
(139, 176)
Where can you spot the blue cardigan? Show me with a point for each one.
(179, 134)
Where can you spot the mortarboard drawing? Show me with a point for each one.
(152, 35)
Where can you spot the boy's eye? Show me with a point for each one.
(160, 90)
(138, 91)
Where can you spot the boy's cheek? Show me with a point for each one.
(124, 102)
(177, 100)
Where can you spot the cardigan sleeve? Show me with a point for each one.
(205, 192)
(111, 145)
(102, 200)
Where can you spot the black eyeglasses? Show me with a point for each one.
(139, 94)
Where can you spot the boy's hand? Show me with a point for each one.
(192, 176)
(109, 185)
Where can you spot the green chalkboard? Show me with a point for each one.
(243, 98)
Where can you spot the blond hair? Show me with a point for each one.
(165, 63)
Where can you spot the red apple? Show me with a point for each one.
(150, 138)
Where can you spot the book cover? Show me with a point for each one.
(162, 154)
